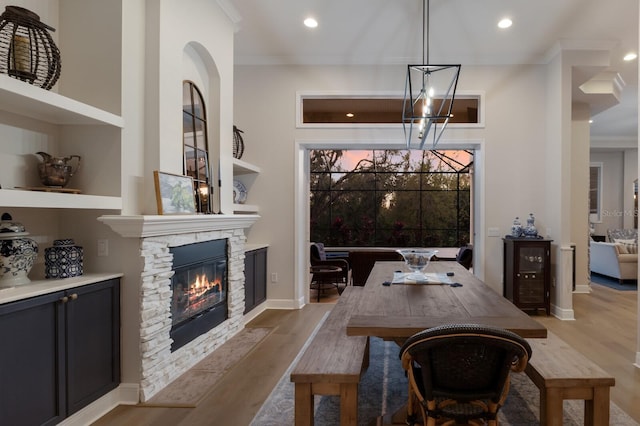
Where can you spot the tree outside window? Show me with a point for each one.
(390, 198)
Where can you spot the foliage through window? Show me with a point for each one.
(390, 198)
(195, 143)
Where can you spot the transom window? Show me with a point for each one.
(195, 143)
(390, 198)
(378, 110)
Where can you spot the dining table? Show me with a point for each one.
(396, 311)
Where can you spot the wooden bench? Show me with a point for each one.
(332, 364)
(561, 372)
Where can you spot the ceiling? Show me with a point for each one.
(460, 31)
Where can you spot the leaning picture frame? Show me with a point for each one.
(174, 193)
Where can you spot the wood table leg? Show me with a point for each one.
(349, 404)
(303, 403)
(553, 406)
(596, 411)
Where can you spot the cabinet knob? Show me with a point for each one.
(64, 299)
(73, 296)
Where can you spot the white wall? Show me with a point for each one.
(513, 144)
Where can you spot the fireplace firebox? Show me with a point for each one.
(199, 285)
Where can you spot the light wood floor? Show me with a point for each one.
(604, 330)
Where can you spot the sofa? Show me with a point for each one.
(616, 259)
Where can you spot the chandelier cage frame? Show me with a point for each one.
(426, 110)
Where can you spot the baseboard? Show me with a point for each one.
(563, 314)
(283, 304)
(254, 312)
(582, 288)
(125, 394)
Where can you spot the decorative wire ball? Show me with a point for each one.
(27, 51)
(238, 143)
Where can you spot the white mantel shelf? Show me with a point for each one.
(156, 225)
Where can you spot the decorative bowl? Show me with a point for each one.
(417, 260)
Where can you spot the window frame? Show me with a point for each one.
(302, 95)
(202, 187)
(380, 234)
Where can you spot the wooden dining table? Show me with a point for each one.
(397, 311)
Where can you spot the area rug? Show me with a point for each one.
(383, 391)
(613, 282)
(188, 389)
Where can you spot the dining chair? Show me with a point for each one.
(459, 373)
(319, 258)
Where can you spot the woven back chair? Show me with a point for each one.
(319, 258)
(459, 373)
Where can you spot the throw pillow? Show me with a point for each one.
(631, 248)
(621, 241)
(621, 248)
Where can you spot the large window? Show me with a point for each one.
(196, 143)
(390, 198)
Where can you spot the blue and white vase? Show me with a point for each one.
(17, 253)
(530, 231)
(516, 228)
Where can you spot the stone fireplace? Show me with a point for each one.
(159, 237)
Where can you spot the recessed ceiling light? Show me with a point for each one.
(350, 114)
(505, 23)
(310, 22)
(630, 56)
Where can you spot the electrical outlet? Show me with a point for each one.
(274, 277)
(103, 248)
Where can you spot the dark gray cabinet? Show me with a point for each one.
(255, 278)
(60, 352)
(527, 273)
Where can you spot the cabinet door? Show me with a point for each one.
(93, 342)
(530, 272)
(249, 281)
(31, 361)
(260, 277)
(255, 278)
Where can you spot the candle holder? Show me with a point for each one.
(27, 51)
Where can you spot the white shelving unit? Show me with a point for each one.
(21, 99)
(245, 173)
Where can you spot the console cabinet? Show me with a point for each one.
(255, 278)
(527, 273)
(60, 352)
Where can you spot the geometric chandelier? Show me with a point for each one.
(428, 95)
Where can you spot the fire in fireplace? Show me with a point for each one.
(199, 286)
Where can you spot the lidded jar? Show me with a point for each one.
(530, 231)
(63, 260)
(17, 253)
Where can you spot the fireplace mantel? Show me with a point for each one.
(142, 226)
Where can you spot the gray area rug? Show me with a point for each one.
(383, 390)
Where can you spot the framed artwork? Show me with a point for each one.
(174, 193)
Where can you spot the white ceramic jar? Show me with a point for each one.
(17, 253)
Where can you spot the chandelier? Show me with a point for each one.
(428, 95)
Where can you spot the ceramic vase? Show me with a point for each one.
(530, 231)
(516, 228)
(17, 253)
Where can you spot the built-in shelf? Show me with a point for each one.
(245, 208)
(27, 100)
(242, 167)
(41, 199)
